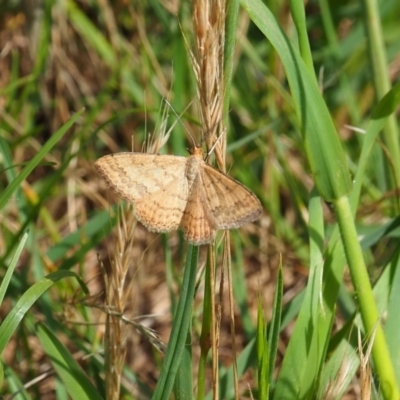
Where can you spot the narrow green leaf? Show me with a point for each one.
(1, 374)
(262, 346)
(302, 363)
(368, 307)
(299, 18)
(100, 224)
(239, 287)
(231, 27)
(388, 104)
(182, 320)
(383, 109)
(91, 34)
(16, 84)
(183, 387)
(206, 326)
(275, 324)
(15, 385)
(390, 290)
(321, 142)
(14, 317)
(74, 378)
(10, 189)
(7, 277)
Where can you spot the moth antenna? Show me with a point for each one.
(145, 145)
(180, 119)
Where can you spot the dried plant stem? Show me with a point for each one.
(117, 291)
(228, 264)
(118, 286)
(214, 325)
(208, 65)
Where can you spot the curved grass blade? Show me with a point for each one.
(7, 277)
(14, 317)
(321, 142)
(74, 378)
(10, 189)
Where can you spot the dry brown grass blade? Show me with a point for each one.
(365, 367)
(118, 296)
(118, 282)
(335, 386)
(339, 383)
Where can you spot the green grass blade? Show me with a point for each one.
(12, 187)
(91, 34)
(15, 385)
(368, 307)
(7, 160)
(183, 387)
(335, 261)
(206, 326)
(95, 229)
(182, 320)
(275, 324)
(383, 109)
(299, 18)
(239, 287)
(262, 346)
(16, 84)
(324, 151)
(74, 378)
(382, 81)
(12, 320)
(392, 320)
(231, 24)
(302, 363)
(7, 277)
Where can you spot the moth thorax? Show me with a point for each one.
(192, 169)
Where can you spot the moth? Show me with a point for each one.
(172, 192)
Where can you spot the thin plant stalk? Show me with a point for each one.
(368, 309)
(382, 82)
(215, 323)
(231, 26)
(207, 325)
(117, 296)
(228, 263)
(208, 64)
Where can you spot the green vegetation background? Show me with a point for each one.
(118, 60)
